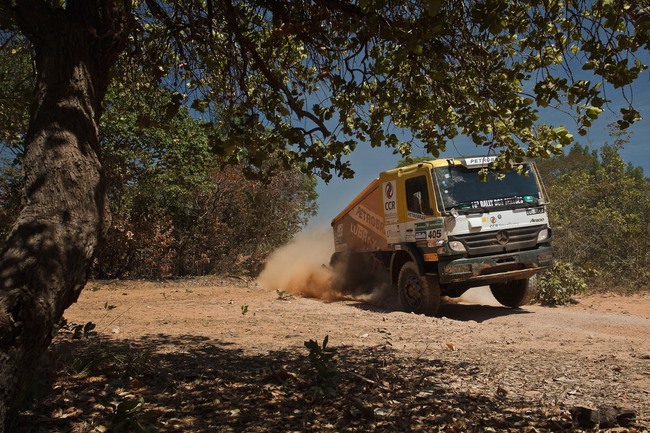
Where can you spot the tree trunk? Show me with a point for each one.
(46, 257)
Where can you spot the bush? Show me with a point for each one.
(560, 284)
(229, 224)
(599, 211)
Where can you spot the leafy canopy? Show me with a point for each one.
(302, 83)
(176, 208)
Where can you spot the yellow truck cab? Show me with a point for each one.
(438, 229)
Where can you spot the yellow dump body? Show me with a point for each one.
(360, 226)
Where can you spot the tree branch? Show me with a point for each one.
(246, 44)
(33, 18)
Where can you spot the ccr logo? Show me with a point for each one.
(389, 190)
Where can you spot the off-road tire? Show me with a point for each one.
(417, 294)
(516, 293)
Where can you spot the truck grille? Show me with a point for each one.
(499, 241)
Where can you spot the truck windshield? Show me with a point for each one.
(461, 188)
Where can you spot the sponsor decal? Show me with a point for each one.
(537, 220)
(368, 218)
(493, 219)
(363, 234)
(481, 160)
(390, 207)
(437, 223)
(416, 215)
(431, 231)
(431, 257)
(496, 202)
(392, 232)
(498, 225)
(389, 189)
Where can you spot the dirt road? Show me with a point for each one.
(477, 367)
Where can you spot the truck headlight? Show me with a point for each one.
(457, 246)
(542, 235)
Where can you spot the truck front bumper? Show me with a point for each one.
(473, 271)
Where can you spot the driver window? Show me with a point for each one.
(417, 196)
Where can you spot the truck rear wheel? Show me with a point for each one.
(514, 293)
(417, 294)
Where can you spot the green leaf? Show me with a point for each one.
(593, 112)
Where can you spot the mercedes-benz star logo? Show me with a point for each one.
(503, 237)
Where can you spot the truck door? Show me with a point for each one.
(416, 203)
(410, 209)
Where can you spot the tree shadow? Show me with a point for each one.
(198, 384)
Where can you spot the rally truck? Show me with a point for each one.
(438, 228)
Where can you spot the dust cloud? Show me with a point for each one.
(302, 268)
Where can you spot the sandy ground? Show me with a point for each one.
(593, 353)
(259, 320)
(228, 355)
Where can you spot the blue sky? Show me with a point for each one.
(368, 162)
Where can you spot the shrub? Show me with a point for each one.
(599, 211)
(560, 284)
(324, 373)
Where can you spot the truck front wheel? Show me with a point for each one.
(514, 293)
(417, 294)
